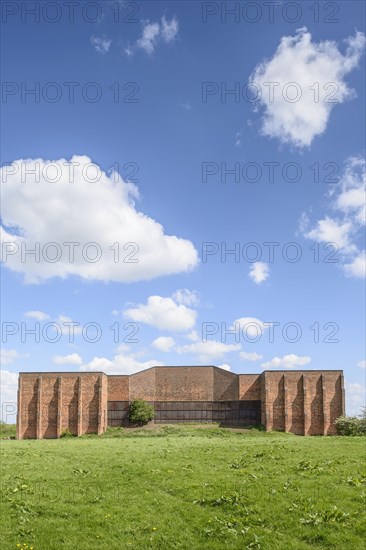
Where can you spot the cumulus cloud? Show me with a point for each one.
(63, 325)
(186, 297)
(347, 220)
(101, 44)
(259, 272)
(39, 315)
(152, 33)
(355, 397)
(164, 314)
(250, 356)
(72, 359)
(302, 83)
(249, 327)
(362, 364)
(8, 395)
(290, 361)
(224, 366)
(209, 351)
(351, 197)
(81, 221)
(357, 268)
(66, 326)
(8, 356)
(332, 231)
(164, 343)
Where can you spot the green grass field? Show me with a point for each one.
(184, 488)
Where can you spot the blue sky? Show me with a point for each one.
(176, 96)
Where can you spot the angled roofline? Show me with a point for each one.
(79, 373)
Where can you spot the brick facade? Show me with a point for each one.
(301, 402)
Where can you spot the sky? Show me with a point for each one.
(183, 184)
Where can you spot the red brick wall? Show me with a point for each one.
(295, 403)
(118, 388)
(302, 402)
(104, 404)
(225, 385)
(142, 385)
(45, 408)
(275, 405)
(90, 402)
(49, 407)
(334, 406)
(250, 387)
(184, 383)
(27, 406)
(69, 400)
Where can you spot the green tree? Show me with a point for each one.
(140, 412)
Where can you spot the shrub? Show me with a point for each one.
(350, 425)
(140, 412)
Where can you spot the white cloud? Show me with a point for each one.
(169, 29)
(357, 268)
(8, 356)
(303, 62)
(224, 366)
(351, 190)
(238, 138)
(332, 231)
(208, 351)
(185, 105)
(67, 326)
(355, 397)
(152, 33)
(290, 361)
(72, 359)
(362, 364)
(186, 297)
(8, 395)
(164, 314)
(128, 50)
(250, 356)
(101, 44)
(259, 272)
(120, 364)
(164, 343)
(62, 324)
(193, 336)
(249, 327)
(122, 348)
(347, 200)
(149, 38)
(101, 212)
(39, 315)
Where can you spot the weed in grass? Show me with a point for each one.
(356, 481)
(318, 517)
(179, 480)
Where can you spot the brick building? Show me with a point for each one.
(303, 402)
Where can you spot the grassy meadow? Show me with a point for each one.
(184, 487)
